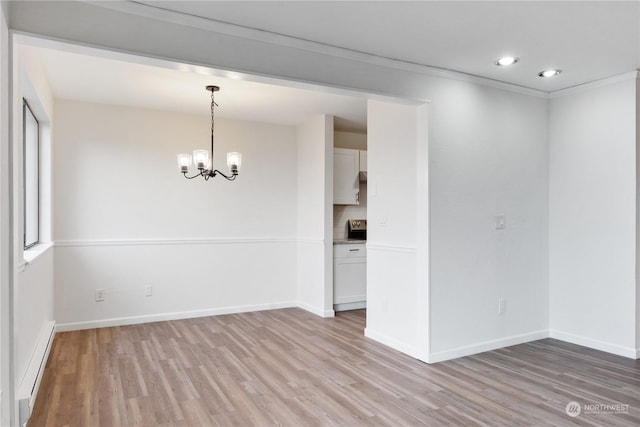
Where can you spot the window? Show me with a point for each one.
(31, 148)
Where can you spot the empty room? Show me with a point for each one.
(312, 213)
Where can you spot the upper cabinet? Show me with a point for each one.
(346, 172)
(363, 166)
(363, 161)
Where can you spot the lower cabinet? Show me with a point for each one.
(349, 276)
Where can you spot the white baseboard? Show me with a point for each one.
(391, 342)
(619, 350)
(134, 320)
(30, 384)
(486, 346)
(315, 310)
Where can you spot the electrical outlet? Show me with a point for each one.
(100, 295)
(148, 291)
(502, 306)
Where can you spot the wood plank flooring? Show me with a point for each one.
(291, 368)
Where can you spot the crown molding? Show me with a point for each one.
(595, 84)
(157, 12)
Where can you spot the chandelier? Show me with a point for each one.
(203, 159)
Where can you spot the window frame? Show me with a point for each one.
(27, 108)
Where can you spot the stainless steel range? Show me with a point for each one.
(357, 229)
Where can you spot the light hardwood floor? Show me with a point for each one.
(291, 368)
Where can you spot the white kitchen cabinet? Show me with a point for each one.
(349, 276)
(363, 160)
(346, 173)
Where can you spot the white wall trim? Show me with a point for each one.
(315, 310)
(310, 241)
(391, 248)
(157, 242)
(30, 384)
(595, 84)
(481, 347)
(391, 342)
(134, 320)
(157, 12)
(608, 347)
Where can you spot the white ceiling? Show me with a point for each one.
(95, 76)
(588, 40)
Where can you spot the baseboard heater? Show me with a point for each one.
(28, 390)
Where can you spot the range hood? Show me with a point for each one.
(363, 176)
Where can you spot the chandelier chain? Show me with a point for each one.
(213, 105)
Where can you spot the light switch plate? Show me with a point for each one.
(500, 222)
(502, 306)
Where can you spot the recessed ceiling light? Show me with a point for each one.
(507, 60)
(549, 73)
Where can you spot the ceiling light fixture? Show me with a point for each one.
(549, 73)
(507, 60)
(204, 160)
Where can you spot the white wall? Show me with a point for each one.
(33, 312)
(592, 217)
(33, 286)
(488, 155)
(394, 294)
(125, 218)
(314, 215)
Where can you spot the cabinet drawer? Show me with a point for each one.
(350, 250)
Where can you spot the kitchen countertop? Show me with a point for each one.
(348, 241)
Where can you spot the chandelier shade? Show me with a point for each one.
(234, 161)
(184, 161)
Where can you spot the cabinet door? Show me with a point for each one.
(346, 169)
(349, 280)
